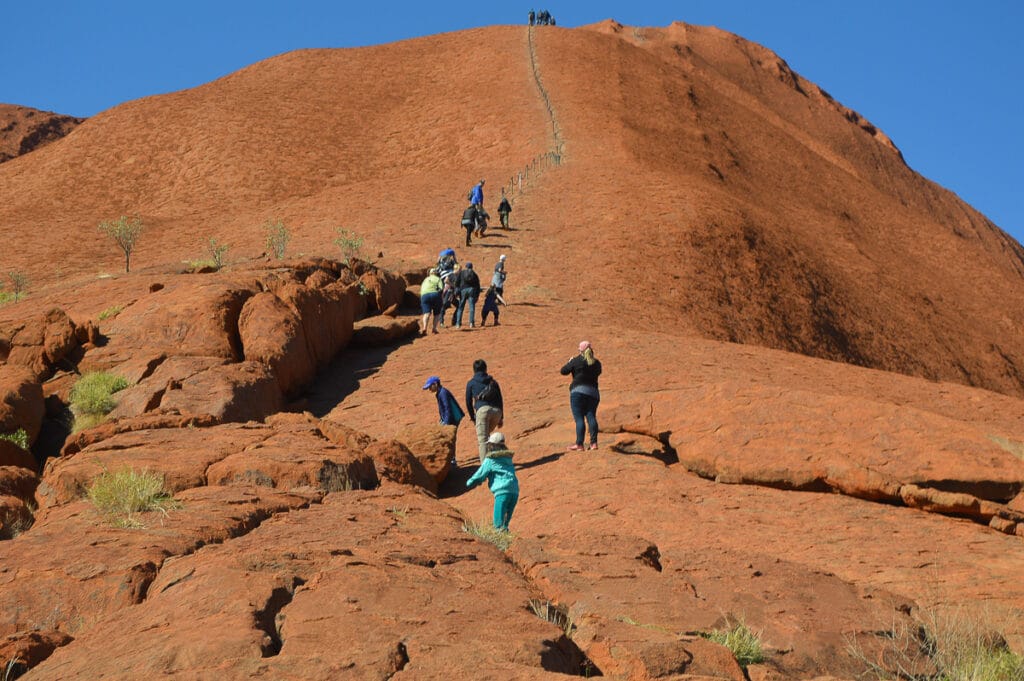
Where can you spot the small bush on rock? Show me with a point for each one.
(744, 642)
(18, 437)
(500, 538)
(125, 232)
(349, 243)
(122, 495)
(278, 237)
(92, 397)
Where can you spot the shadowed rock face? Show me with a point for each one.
(704, 193)
(23, 129)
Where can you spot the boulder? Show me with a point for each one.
(380, 330)
(433, 446)
(13, 455)
(383, 289)
(21, 401)
(239, 392)
(17, 481)
(395, 462)
(40, 342)
(272, 334)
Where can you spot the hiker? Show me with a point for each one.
(450, 295)
(430, 300)
(446, 262)
(583, 394)
(532, 17)
(484, 404)
(498, 280)
(504, 208)
(496, 465)
(468, 286)
(469, 222)
(447, 406)
(476, 196)
(491, 299)
(481, 222)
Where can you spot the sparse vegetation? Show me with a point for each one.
(349, 243)
(217, 252)
(333, 478)
(13, 523)
(949, 646)
(278, 237)
(744, 642)
(125, 232)
(121, 496)
(18, 437)
(14, 669)
(500, 538)
(399, 513)
(18, 286)
(556, 614)
(111, 311)
(92, 398)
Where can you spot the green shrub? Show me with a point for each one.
(92, 397)
(111, 311)
(122, 495)
(217, 252)
(125, 232)
(555, 614)
(278, 237)
(744, 642)
(349, 243)
(18, 437)
(486, 531)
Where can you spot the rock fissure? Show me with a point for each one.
(266, 619)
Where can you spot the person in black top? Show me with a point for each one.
(484, 404)
(504, 208)
(583, 394)
(469, 217)
(468, 286)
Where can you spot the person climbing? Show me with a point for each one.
(491, 299)
(481, 222)
(447, 406)
(584, 395)
(446, 262)
(430, 300)
(504, 208)
(497, 467)
(484, 404)
(469, 217)
(468, 286)
(449, 294)
(476, 196)
(498, 279)
(532, 17)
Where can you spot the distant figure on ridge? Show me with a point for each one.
(532, 17)
(583, 394)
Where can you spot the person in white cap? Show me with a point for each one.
(498, 280)
(500, 472)
(583, 394)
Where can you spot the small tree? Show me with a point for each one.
(217, 252)
(19, 284)
(125, 232)
(278, 237)
(349, 244)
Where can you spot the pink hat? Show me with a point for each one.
(584, 345)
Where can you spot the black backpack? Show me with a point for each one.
(490, 392)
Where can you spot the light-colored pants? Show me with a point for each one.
(487, 419)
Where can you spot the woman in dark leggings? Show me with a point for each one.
(583, 394)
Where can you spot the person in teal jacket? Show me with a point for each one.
(501, 477)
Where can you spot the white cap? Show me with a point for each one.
(502, 257)
(496, 438)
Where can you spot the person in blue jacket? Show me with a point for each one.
(447, 407)
(501, 477)
(476, 197)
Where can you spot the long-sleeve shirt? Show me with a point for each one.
(475, 386)
(500, 473)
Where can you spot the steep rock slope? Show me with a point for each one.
(23, 129)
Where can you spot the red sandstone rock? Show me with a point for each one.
(38, 343)
(433, 446)
(17, 481)
(231, 392)
(13, 455)
(23, 129)
(395, 462)
(21, 401)
(381, 330)
(383, 289)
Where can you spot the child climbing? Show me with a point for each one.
(501, 477)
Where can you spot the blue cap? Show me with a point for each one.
(433, 380)
(469, 265)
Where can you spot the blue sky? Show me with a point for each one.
(943, 79)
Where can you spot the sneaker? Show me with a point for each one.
(593, 446)
(574, 448)
(496, 323)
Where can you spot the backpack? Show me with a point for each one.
(490, 392)
(456, 411)
(469, 196)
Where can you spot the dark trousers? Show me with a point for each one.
(584, 412)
